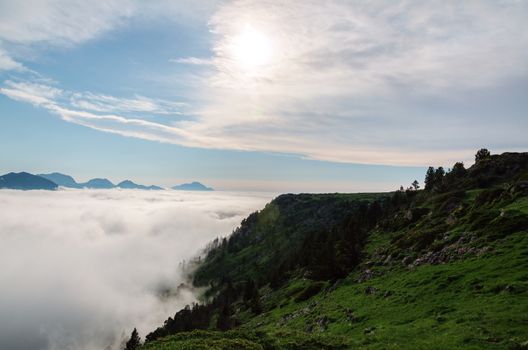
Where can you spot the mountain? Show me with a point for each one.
(98, 184)
(62, 180)
(443, 268)
(26, 181)
(193, 186)
(127, 184)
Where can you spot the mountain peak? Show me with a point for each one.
(99, 183)
(61, 179)
(192, 186)
(26, 181)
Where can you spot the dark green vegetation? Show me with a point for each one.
(442, 268)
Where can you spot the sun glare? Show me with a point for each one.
(251, 49)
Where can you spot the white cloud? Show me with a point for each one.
(401, 83)
(71, 105)
(111, 104)
(71, 22)
(34, 93)
(196, 61)
(90, 265)
(7, 63)
(60, 22)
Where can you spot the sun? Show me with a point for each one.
(251, 49)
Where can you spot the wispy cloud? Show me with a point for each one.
(7, 63)
(111, 104)
(34, 93)
(60, 23)
(372, 82)
(52, 98)
(196, 61)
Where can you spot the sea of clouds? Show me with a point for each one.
(79, 269)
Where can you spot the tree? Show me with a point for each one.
(458, 170)
(134, 342)
(224, 321)
(429, 178)
(416, 185)
(482, 154)
(439, 179)
(249, 290)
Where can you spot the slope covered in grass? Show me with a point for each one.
(438, 269)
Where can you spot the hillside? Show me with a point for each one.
(440, 268)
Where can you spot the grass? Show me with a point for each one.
(477, 300)
(476, 303)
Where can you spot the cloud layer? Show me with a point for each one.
(382, 82)
(79, 269)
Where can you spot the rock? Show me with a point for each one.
(407, 260)
(365, 275)
(323, 321)
(450, 220)
(520, 187)
(334, 286)
(288, 317)
(350, 315)
(387, 294)
(369, 330)
(370, 290)
(415, 214)
(387, 260)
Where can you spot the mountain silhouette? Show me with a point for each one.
(193, 186)
(62, 180)
(26, 181)
(127, 184)
(98, 183)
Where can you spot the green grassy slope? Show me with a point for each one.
(444, 269)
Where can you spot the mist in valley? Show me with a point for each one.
(79, 269)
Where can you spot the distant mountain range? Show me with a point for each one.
(131, 185)
(193, 186)
(62, 180)
(27, 181)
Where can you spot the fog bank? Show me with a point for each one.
(80, 268)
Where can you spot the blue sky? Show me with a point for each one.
(277, 95)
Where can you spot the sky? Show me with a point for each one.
(275, 95)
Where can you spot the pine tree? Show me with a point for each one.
(134, 342)
(439, 183)
(223, 322)
(415, 185)
(430, 178)
(482, 154)
(458, 170)
(249, 290)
